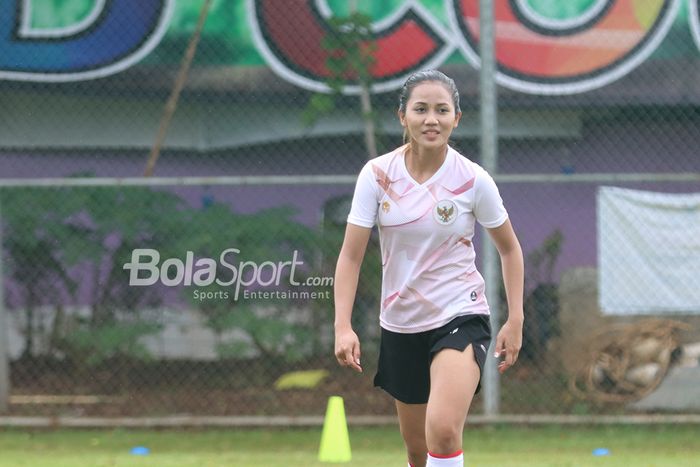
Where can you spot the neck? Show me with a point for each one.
(422, 163)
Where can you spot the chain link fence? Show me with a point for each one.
(207, 289)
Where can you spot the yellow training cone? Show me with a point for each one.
(335, 441)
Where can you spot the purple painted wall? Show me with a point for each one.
(607, 145)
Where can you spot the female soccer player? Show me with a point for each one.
(425, 198)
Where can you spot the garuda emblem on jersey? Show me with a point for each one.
(445, 212)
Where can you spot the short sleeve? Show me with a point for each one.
(488, 204)
(365, 201)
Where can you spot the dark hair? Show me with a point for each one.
(427, 75)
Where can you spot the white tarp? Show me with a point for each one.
(648, 252)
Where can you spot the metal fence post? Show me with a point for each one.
(4, 343)
(489, 161)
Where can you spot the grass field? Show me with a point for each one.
(541, 446)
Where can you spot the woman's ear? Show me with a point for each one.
(458, 117)
(402, 118)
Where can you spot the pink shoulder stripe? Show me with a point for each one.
(385, 182)
(467, 186)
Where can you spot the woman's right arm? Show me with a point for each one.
(347, 272)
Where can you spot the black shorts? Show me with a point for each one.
(404, 359)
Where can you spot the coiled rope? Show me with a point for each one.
(627, 361)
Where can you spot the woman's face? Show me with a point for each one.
(430, 115)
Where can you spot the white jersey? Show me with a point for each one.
(426, 229)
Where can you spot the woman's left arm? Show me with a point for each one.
(510, 337)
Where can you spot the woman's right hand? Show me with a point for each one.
(347, 349)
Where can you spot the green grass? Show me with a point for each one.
(503, 446)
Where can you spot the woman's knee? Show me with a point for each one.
(443, 437)
(416, 448)
(412, 425)
(415, 441)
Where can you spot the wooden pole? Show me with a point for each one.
(171, 105)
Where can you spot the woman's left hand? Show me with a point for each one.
(508, 344)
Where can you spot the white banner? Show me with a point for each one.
(648, 252)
